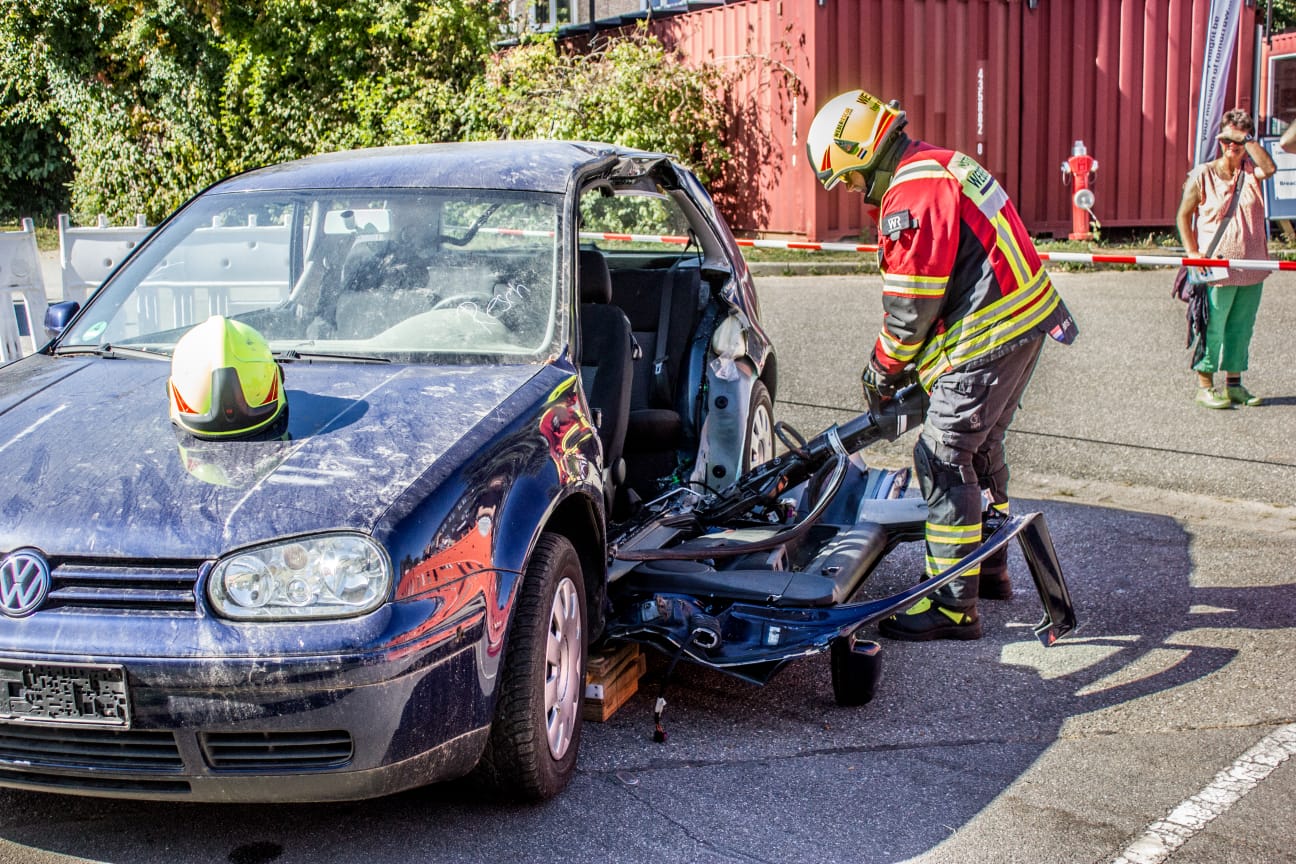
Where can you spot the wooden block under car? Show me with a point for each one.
(611, 678)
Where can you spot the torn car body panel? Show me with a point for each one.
(753, 641)
(746, 580)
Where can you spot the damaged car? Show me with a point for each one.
(329, 489)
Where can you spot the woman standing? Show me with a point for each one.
(1241, 166)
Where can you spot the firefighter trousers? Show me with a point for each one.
(959, 460)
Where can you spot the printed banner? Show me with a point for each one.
(1280, 189)
(1217, 57)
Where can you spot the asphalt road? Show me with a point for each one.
(1176, 527)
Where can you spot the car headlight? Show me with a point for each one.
(328, 576)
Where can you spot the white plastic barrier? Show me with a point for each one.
(88, 255)
(22, 293)
(219, 270)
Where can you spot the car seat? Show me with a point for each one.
(605, 363)
(663, 307)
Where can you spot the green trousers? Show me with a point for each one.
(1228, 333)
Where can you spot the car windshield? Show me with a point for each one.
(462, 276)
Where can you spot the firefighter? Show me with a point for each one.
(966, 305)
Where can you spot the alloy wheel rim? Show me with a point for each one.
(562, 668)
(761, 449)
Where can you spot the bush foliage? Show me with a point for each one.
(630, 91)
(122, 107)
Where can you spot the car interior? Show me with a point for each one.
(660, 298)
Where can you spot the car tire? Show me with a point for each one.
(758, 443)
(535, 736)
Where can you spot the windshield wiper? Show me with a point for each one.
(292, 354)
(472, 229)
(112, 351)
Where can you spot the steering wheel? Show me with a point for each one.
(790, 437)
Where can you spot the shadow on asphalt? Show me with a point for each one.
(778, 773)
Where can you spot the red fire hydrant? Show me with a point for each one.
(1079, 171)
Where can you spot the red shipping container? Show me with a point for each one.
(1011, 82)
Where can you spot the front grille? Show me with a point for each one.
(118, 785)
(276, 751)
(71, 747)
(145, 585)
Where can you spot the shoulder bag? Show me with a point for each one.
(1188, 279)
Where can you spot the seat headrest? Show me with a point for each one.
(595, 280)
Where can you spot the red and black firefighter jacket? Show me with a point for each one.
(961, 280)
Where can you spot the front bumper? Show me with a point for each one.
(281, 728)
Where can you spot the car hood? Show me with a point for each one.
(93, 466)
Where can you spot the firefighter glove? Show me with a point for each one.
(879, 385)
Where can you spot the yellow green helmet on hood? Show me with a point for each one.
(224, 381)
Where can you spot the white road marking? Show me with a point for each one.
(1163, 837)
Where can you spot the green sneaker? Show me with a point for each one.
(1239, 395)
(1209, 397)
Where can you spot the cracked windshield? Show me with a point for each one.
(455, 276)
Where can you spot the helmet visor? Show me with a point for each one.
(229, 413)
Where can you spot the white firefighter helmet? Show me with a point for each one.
(850, 133)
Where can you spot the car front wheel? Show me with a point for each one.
(535, 736)
(758, 447)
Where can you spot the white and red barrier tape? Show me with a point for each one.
(1171, 261)
(1075, 257)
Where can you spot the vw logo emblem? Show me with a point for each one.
(24, 582)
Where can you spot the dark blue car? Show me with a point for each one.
(529, 407)
(403, 586)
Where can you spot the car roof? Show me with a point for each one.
(533, 166)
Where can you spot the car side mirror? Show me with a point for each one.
(57, 316)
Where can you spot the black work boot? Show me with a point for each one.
(995, 586)
(927, 620)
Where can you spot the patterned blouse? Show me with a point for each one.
(1247, 234)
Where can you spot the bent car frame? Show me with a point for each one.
(514, 428)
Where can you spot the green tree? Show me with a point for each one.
(129, 88)
(35, 164)
(629, 90)
(1283, 14)
(151, 101)
(307, 76)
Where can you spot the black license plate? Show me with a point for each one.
(74, 694)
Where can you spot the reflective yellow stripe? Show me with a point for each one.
(993, 326)
(897, 349)
(924, 168)
(984, 343)
(1000, 508)
(953, 535)
(914, 286)
(939, 565)
(1007, 244)
(1004, 307)
(944, 562)
(932, 366)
